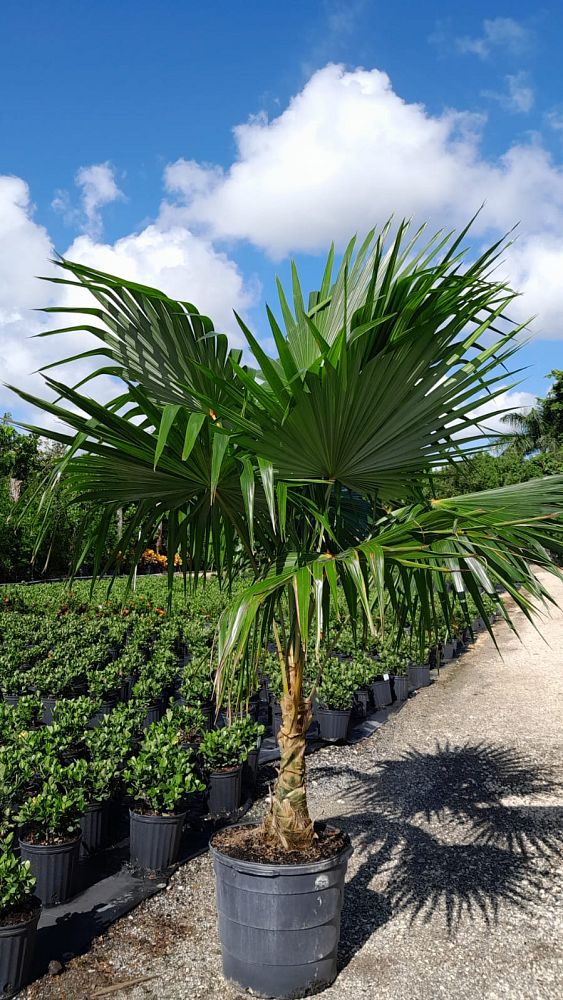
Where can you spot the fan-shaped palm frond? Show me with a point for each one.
(315, 466)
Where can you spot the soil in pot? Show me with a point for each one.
(279, 913)
(55, 867)
(18, 929)
(333, 724)
(224, 791)
(154, 841)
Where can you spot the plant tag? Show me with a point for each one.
(385, 677)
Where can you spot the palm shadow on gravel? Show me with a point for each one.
(434, 833)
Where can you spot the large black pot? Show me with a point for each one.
(224, 791)
(333, 724)
(279, 925)
(154, 714)
(361, 703)
(250, 767)
(47, 714)
(106, 708)
(448, 650)
(400, 687)
(12, 699)
(418, 675)
(154, 841)
(55, 867)
(381, 694)
(95, 828)
(17, 942)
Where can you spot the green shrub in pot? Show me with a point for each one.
(338, 685)
(17, 881)
(160, 779)
(19, 914)
(161, 776)
(224, 748)
(53, 814)
(197, 685)
(51, 834)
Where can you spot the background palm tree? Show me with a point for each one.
(311, 470)
(539, 428)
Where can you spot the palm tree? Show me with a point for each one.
(312, 470)
(539, 428)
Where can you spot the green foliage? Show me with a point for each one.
(338, 685)
(16, 879)
(162, 775)
(226, 747)
(53, 813)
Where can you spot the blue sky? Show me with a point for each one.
(117, 145)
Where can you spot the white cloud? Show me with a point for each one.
(519, 95)
(348, 152)
(169, 257)
(181, 264)
(499, 33)
(509, 400)
(98, 187)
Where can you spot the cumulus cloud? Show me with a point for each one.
(347, 153)
(169, 257)
(498, 34)
(98, 187)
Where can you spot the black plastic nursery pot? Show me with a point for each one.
(154, 713)
(47, 714)
(224, 791)
(361, 703)
(250, 766)
(95, 828)
(400, 687)
(381, 693)
(13, 700)
(154, 841)
(55, 867)
(17, 942)
(418, 676)
(279, 925)
(333, 724)
(106, 708)
(449, 650)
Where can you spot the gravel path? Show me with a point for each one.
(455, 888)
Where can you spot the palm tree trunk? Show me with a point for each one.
(288, 820)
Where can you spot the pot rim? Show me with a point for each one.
(158, 817)
(272, 870)
(53, 848)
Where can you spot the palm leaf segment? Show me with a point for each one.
(314, 466)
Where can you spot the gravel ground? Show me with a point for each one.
(455, 887)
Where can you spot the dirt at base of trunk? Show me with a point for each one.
(248, 843)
